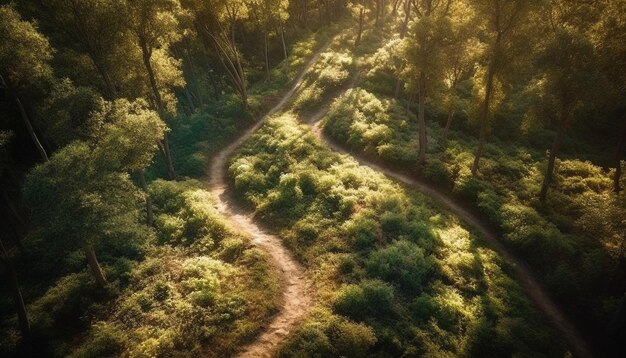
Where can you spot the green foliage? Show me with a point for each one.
(329, 73)
(353, 227)
(330, 336)
(402, 263)
(24, 52)
(183, 296)
(185, 214)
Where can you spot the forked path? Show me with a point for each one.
(573, 337)
(296, 299)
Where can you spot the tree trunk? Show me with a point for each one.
(421, 120)
(266, 53)
(618, 158)
(306, 14)
(407, 15)
(282, 40)
(484, 116)
(216, 90)
(189, 98)
(358, 36)
(547, 179)
(108, 83)
(144, 186)
(395, 7)
(95, 266)
(171, 174)
(18, 300)
(409, 102)
(444, 139)
(377, 20)
(29, 127)
(146, 55)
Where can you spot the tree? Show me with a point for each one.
(216, 21)
(91, 27)
(88, 181)
(270, 14)
(16, 292)
(358, 11)
(502, 19)
(24, 56)
(430, 34)
(460, 58)
(567, 68)
(155, 25)
(608, 36)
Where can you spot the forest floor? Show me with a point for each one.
(535, 291)
(297, 298)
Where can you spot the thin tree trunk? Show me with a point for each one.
(216, 91)
(618, 158)
(189, 98)
(282, 40)
(266, 53)
(395, 7)
(18, 300)
(409, 101)
(444, 139)
(421, 120)
(306, 14)
(407, 15)
(108, 83)
(29, 127)
(376, 21)
(97, 271)
(547, 179)
(484, 119)
(146, 55)
(168, 158)
(358, 36)
(144, 186)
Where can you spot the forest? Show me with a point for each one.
(312, 178)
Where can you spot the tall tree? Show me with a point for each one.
(502, 20)
(91, 27)
(88, 180)
(430, 34)
(16, 292)
(609, 35)
(567, 76)
(216, 22)
(270, 15)
(24, 56)
(155, 25)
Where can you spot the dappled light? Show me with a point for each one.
(312, 178)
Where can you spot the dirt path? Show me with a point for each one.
(573, 338)
(296, 299)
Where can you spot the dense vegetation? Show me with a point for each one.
(112, 110)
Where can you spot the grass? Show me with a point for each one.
(571, 241)
(384, 258)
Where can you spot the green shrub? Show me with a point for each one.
(402, 263)
(351, 339)
(105, 340)
(372, 298)
(309, 341)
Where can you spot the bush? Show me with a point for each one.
(372, 298)
(402, 263)
(309, 341)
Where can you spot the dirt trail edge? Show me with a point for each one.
(533, 288)
(296, 300)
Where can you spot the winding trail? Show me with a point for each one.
(574, 339)
(296, 297)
